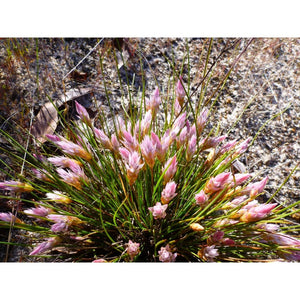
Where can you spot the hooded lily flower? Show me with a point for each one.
(217, 183)
(178, 125)
(158, 211)
(15, 186)
(47, 245)
(70, 147)
(257, 212)
(154, 101)
(40, 211)
(148, 150)
(160, 153)
(238, 179)
(83, 114)
(168, 192)
(130, 142)
(235, 202)
(103, 138)
(170, 168)
(201, 197)
(142, 128)
(9, 217)
(58, 197)
(165, 254)
(133, 249)
(180, 93)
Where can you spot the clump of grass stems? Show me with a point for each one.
(150, 186)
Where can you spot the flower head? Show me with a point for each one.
(255, 188)
(148, 150)
(103, 138)
(47, 245)
(72, 178)
(201, 197)
(217, 183)
(158, 211)
(210, 252)
(40, 211)
(201, 120)
(170, 168)
(154, 101)
(9, 217)
(133, 249)
(257, 212)
(168, 192)
(165, 254)
(15, 186)
(58, 197)
(83, 114)
(180, 93)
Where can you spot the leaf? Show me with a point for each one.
(45, 122)
(47, 119)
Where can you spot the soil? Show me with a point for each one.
(263, 83)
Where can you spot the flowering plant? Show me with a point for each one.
(154, 187)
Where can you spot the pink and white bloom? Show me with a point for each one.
(201, 197)
(210, 252)
(58, 197)
(9, 217)
(99, 260)
(242, 147)
(168, 192)
(39, 211)
(178, 125)
(257, 212)
(182, 138)
(228, 146)
(83, 114)
(69, 147)
(208, 143)
(191, 147)
(238, 179)
(165, 254)
(158, 211)
(154, 101)
(133, 164)
(130, 142)
(170, 168)
(256, 188)
(65, 162)
(133, 249)
(281, 239)
(15, 186)
(142, 128)
(217, 183)
(103, 138)
(268, 227)
(180, 92)
(47, 245)
(201, 120)
(71, 178)
(115, 143)
(148, 150)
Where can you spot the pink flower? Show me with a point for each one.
(133, 249)
(183, 136)
(70, 148)
(158, 147)
(201, 120)
(228, 146)
(212, 142)
(191, 148)
(62, 222)
(177, 107)
(268, 227)
(132, 163)
(114, 142)
(103, 138)
(83, 114)
(99, 260)
(179, 90)
(281, 239)
(165, 255)
(58, 197)
(170, 168)
(129, 141)
(148, 150)
(168, 192)
(178, 125)
(257, 212)
(158, 211)
(238, 179)
(290, 255)
(15, 186)
(154, 101)
(38, 211)
(217, 236)
(42, 175)
(9, 217)
(143, 128)
(65, 162)
(243, 147)
(255, 188)
(217, 183)
(201, 198)
(47, 245)
(71, 178)
(210, 252)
